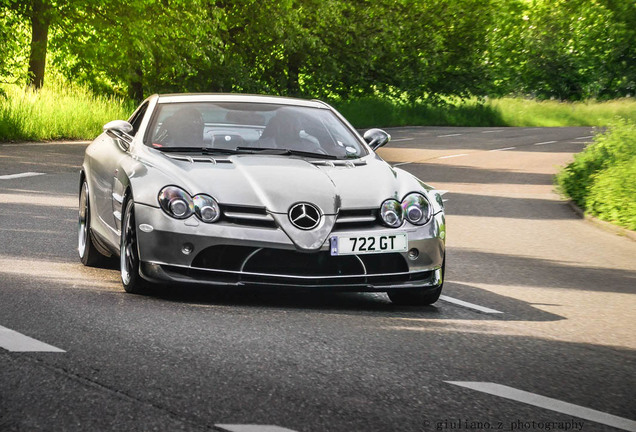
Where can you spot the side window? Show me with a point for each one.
(137, 117)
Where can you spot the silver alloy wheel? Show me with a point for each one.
(128, 245)
(82, 231)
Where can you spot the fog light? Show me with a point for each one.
(187, 248)
(413, 254)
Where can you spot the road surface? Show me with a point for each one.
(536, 330)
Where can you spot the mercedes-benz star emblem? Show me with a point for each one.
(304, 216)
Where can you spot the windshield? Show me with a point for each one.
(263, 128)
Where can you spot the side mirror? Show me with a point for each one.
(119, 129)
(376, 138)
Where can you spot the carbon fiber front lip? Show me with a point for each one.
(162, 272)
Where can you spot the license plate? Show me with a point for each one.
(368, 244)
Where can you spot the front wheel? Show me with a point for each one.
(414, 296)
(129, 252)
(417, 296)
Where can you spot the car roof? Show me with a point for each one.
(233, 97)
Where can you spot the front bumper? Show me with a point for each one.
(232, 255)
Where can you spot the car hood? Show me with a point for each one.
(278, 182)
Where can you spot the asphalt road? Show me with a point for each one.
(196, 359)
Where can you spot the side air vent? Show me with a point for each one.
(248, 216)
(356, 218)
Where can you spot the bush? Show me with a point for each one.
(602, 179)
(613, 194)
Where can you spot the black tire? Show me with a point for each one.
(88, 253)
(129, 253)
(417, 296)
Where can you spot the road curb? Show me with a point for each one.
(607, 226)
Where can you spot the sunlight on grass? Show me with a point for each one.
(383, 112)
(62, 110)
(531, 113)
(59, 110)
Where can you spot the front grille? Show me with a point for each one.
(223, 257)
(283, 262)
(384, 263)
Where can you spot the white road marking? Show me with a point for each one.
(585, 137)
(20, 175)
(492, 131)
(17, 342)
(402, 163)
(549, 403)
(402, 139)
(503, 149)
(453, 156)
(580, 142)
(449, 135)
(251, 428)
(469, 305)
(545, 142)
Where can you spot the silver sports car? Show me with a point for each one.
(238, 190)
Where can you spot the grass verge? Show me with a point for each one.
(58, 111)
(602, 179)
(65, 111)
(531, 113)
(381, 112)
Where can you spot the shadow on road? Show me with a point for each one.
(431, 172)
(531, 272)
(507, 207)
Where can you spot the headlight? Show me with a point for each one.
(416, 208)
(391, 213)
(176, 202)
(206, 208)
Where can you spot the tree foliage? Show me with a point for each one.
(334, 49)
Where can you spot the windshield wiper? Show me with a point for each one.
(285, 152)
(246, 150)
(203, 150)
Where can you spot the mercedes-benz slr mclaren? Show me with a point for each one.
(233, 190)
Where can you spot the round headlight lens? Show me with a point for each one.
(206, 208)
(416, 208)
(178, 207)
(391, 213)
(176, 202)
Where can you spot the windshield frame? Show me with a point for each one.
(336, 116)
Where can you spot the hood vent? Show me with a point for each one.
(338, 163)
(193, 159)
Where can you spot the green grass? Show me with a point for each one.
(602, 178)
(58, 111)
(65, 111)
(379, 112)
(384, 112)
(531, 113)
